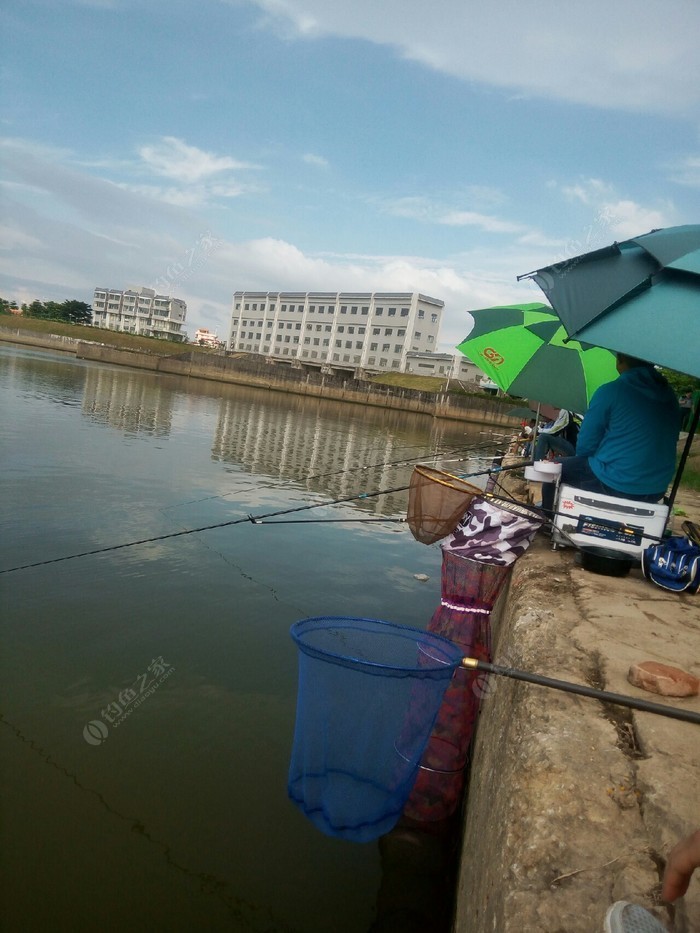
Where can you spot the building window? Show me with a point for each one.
(312, 308)
(382, 362)
(373, 347)
(404, 312)
(387, 332)
(351, 330)
(247, 308)
(386, 347)
(353, 309)
(365, 309)
(401, 332)
(433, 318)
(397, 348)
(348, 344)
(430, 338)
(392, 312)
(343, 309)
(283, 308)
(371, 361)
(341, 329)
(417, 335)
(379, 311)
(421, 315)
(338, 343)
(395, 364)
(358, 344)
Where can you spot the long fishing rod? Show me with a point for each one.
(407, 461)
(619, 699)
(239, 521)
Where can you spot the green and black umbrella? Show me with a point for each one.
(525, 350)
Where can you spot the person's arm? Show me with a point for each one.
(682, 861)
(595, 422)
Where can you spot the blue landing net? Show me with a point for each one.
(369, 692)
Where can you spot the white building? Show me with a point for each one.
(139, 310)
(446, 365)
(346, 330)
(205, 338)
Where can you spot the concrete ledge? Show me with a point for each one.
(574, 803)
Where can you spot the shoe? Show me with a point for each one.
(624, 917)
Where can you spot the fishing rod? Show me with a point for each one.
(407, 461)
(619, 699)
(238, 521)
(430, 459)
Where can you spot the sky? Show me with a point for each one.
(200, 147)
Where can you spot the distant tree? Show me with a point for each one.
(7, 306)
(72, 312)
(681, 383)
(35, 309)
(77, 312)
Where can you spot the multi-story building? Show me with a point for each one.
(139, 310)
(449, 365)
(343, 330)
(205, 338)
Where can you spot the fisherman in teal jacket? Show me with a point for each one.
(626, 446)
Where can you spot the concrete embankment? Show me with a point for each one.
(259, 372)
(574, 803)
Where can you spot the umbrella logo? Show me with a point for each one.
(493, 356)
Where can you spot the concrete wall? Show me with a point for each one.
(259, 372)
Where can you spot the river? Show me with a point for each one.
(148, 691)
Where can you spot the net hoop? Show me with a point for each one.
(448, 479)
(517, 508)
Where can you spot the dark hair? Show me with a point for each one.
(632, 361)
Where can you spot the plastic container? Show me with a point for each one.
(543, 471)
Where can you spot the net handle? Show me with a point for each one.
(672, 712)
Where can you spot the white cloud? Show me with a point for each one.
(613, 217)
(638, 55)
(687, 172)
(173, 158)
(428, 211)
(312, 159)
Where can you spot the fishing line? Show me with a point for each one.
(238, 521)
(425, 459)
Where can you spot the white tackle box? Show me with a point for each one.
(625, 525)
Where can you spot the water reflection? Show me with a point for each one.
(127, 401)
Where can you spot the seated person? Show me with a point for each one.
(627, 443)
(526, 435)
(559, 436)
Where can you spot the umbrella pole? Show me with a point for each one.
(619, 699)
(684, 457)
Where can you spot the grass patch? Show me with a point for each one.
(411, 381)
(112, 338)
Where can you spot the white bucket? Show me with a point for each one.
(543, 471)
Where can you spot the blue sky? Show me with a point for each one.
(204, 146)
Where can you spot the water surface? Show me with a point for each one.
(148, 692)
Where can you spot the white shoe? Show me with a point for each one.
(624, 917)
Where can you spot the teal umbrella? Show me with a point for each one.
(525, 350)
(640, 297)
